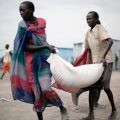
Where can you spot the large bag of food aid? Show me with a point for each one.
(73, 78)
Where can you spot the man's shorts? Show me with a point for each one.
(6, 67)
(107, 75)
(104, 81)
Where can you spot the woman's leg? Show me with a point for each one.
(52, 97)
(64, 113)
(40, 116)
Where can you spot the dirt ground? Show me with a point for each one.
(16, 110)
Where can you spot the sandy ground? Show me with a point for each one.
(16, 110)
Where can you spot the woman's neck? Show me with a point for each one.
(32, 20)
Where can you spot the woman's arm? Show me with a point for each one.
(35, 48)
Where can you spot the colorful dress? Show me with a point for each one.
(30, 72)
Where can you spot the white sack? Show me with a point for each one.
(66, 75)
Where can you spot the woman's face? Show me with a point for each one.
(25, 12)
(91, 20)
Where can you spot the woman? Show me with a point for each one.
(30, 72)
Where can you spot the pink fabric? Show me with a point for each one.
(29, 73)
(40, 28)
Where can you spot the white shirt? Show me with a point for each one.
(7, 56)
(96, 41)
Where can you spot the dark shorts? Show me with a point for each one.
(104, 81)
(107, 76)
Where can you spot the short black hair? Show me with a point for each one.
(7, 46)
(29, 4)
(95, 14)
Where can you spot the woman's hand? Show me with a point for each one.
(52, 48)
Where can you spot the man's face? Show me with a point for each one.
(91, 20)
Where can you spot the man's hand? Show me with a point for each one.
(104, 62)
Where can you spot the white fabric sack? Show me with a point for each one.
(66, 75)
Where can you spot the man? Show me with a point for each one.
(6, 61)
(98, 42)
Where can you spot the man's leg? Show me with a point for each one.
(6, 68)
(75, 96)
(91, 103)
(97, 96)
(106, 85)
(2, 76)
(111, 99)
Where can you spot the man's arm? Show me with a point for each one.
(88, 56)
(110, 43)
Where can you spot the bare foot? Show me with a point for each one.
(113, 115)
(64, 115)
(98, 106)
(89, 117)
(4, 99)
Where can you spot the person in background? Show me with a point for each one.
(30, 72)
(98, 43)
(6, 61)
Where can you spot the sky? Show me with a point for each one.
(65, 19)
